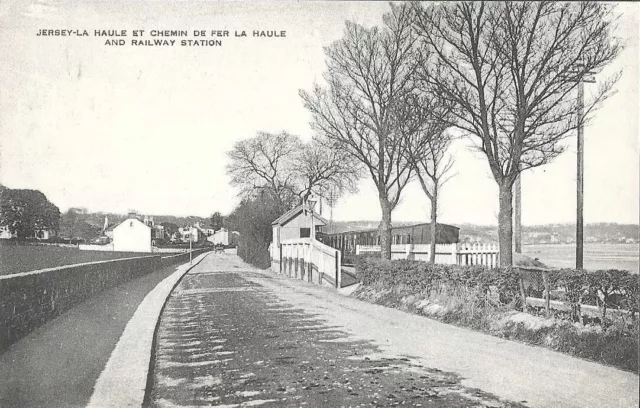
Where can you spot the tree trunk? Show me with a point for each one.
(385, 229)
(434, 217)
(505, 224)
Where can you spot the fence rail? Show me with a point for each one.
(307, 259)
(449, 254)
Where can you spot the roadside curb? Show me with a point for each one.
(123, 382)
(348, 290)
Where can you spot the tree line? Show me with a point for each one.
(26, 212)
(501, 74)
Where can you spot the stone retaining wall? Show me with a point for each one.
(30, 299)
(183, 257)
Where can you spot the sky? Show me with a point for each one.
(113, 128)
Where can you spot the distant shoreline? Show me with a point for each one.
(597, 256)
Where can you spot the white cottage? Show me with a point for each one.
(224, 237)
(132, 235)
(296, 223)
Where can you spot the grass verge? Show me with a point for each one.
(613, 343)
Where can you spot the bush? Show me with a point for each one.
(252, 218)
(490, 285)
(350, 259)
(616, 345)
(605, 288)
(479, 297)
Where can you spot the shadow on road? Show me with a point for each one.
(223, 340)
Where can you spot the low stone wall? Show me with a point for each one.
(183, 257)
(168, 250)
(92, 247)
(30, 299)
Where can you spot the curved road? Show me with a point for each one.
(235, 336)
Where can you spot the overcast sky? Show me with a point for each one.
(116, 128)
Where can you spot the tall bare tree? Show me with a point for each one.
(512, 68)
(369, 72)
(426, 149)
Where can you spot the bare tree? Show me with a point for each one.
(265, 164)
(511, 69)
(288, 169)
(321, 167)
(369, 72)
(428, 141)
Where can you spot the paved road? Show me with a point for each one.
(234, 336)
(58, 364)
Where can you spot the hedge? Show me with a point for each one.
(509, 285)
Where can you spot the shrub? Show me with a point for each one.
(490, 285)
(605, 288)
(477, 297)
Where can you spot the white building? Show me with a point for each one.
(5, 233)
(224, 237)
(193, 233)
(296, 223)
(132, 235)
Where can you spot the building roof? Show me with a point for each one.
(132, 219)
(294, 212)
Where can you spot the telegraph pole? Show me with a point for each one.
(518, 214)
(588, 77)
(580, 180)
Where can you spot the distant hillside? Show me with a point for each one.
(532, 234)
(343, 226)
(78, 223)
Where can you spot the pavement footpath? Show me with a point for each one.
(58, 364)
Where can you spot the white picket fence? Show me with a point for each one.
(308, 260)
(450, 254)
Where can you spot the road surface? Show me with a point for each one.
(234, 336)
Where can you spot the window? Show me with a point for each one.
(305, 232)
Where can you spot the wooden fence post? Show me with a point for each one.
(454, 254)
(338, 270)
(522, 291)
(309, 277)
(547, 296)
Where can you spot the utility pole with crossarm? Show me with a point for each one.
(580, 172)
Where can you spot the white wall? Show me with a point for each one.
(132, 236)
(291, 229)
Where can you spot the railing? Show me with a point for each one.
(478, 254)
(308, 260)
(450, 254)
